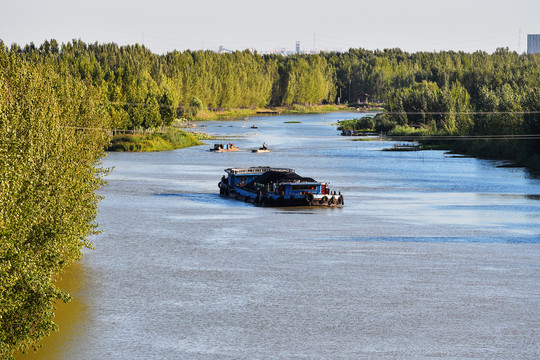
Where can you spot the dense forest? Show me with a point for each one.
(504, 86)
(141, 89)
(442, 90)
(56, 100)
(452, 93)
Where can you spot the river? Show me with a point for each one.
(432, 256)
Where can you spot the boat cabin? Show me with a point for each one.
(243, 176)
(288, 189)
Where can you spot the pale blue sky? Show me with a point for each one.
(166, 25)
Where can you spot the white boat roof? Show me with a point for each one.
(256, 170)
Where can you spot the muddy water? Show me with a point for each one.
(432, 256)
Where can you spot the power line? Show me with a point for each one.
(392, 137)
(462, 113)
(465, 137)
(531, 112)
(119, 103)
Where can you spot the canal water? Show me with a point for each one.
(432, 256)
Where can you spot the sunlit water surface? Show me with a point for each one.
(432, 256)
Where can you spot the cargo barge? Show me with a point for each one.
(269, 186)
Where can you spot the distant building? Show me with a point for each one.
(533, 44)
(298, 47)
(362, 99)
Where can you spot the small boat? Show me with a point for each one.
(254, 127)
(260, 150)
(224, 148)
(405, 147)
(269, 186)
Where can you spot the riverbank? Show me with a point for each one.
(518, 153)
(515, 151)
(176, 139)
(293, 109)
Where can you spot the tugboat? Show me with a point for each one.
(268, 186)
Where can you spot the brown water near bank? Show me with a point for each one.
(68, 316)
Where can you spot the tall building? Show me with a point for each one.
(298, 47)
(533, 44)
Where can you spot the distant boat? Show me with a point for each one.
(404, 147)
(224, 148)
(263, 149)
(260, 150)
(254, 127)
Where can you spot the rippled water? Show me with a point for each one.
(432, 256)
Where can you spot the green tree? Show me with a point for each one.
(167, 108)
(49, 174)
(151, 113)
(195, 106)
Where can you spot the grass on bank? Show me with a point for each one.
(153, 142)
(293, 109)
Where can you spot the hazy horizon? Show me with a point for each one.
(163, 26)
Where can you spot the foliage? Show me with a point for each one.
(49, 172)
(147, 90)
(383, 123)
(167, 110)
(380, 123)
(406, 130)
(437, 90)
(153, 142)
(443, 90)
(195, 106)
(365, 123)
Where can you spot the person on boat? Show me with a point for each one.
(264, 146)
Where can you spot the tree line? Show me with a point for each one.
(147, 90)
(439, 90)
(453, 93)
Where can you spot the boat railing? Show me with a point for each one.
(258, 169)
